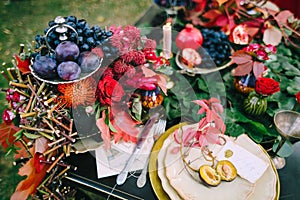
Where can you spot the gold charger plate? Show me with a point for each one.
(153, 171)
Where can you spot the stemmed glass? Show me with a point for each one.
(287, 123)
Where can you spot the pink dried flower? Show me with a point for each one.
(120, 67)
(252, 47)
(149, 44)
(108, 72)
(127, 57)
(130, 72)
(127, 39)
(139, 58)
(9, 94)
(8, 116)
(262, 55)
(270, 48)
(115, 29)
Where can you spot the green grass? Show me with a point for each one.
(21, 20)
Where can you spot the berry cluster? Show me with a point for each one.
(86, 37)
(217, 45)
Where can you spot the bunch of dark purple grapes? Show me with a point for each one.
(217, 45)
(87, 38)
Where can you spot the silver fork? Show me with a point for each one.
(158, 130)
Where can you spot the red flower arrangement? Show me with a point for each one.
(256, 103)
(266, 86)
(132, 72)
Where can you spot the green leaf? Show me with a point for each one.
(234, 129)
(234, 115)
(294, 86)
(260, 128)
(112, 128)
(201, 84)
(137, 108)
(18, 135)
(31, 136)
(255, 136)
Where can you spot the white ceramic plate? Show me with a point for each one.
(186, 187)
(191, 188)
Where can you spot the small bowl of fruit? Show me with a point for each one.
(69, 52)
(212, 55)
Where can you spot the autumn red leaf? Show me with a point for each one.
(272, 35)
(222, 21)
(283, 16)
(211, 17)
(200, 5)
(23, 65)
(161, 79)
(240, 57)
(258, 69)
(35, 176)
(7, 132)
(29, 185)
(243, 69)
(221, 2)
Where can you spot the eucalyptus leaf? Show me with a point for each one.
(31, 136)
(137, 108)
(18, 135)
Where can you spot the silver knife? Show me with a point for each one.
(121, 178)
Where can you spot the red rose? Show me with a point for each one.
(266, 86)
(298, 97)
(109, 90)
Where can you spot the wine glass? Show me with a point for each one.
(287, 123)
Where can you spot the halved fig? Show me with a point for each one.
(209, 175)
(226, 170)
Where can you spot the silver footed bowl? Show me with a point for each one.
(287, 123)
